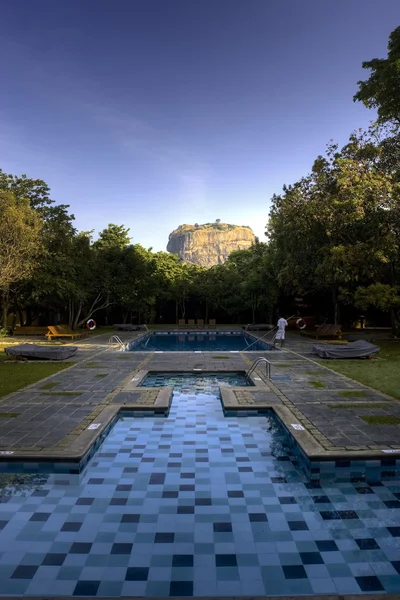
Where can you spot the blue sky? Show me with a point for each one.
(154, 113)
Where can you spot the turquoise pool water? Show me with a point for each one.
(192, 383)
(197, 342)
(197, 504)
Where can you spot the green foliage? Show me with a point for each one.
(67, 394)
(382, 375)
(49, 386)
(20, 239)
(338, 228)
(35, 191)
(113, 237)
(382, 89)
(353, 394)
(15, 375)
(317, 384)
(360, 405)
(381, 420)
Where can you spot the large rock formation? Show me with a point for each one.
(209, 244)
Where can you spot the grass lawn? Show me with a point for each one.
(382, 373)
(16, 375)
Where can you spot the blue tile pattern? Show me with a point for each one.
(194, 383)
(197, 504)
(198, 341)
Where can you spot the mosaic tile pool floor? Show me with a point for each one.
(197, 504)
(194, 383)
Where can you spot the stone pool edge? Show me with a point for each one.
(369, 596)
(312, 455)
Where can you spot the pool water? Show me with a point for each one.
(205, 341)
(193, 383)
(197, 504)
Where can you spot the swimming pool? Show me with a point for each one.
(166, 501)
(197, 342)
(193, 383)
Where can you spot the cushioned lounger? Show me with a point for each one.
(359, 349)
(259, 327)
(128, 327)
(41, 352)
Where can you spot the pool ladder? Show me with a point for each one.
(116, 339)
(255, 364)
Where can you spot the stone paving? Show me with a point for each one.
(51, 415)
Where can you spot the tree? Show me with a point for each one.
(382, 89)
(114, 236)
(218, 221)
(20, 243)
(335, 229)
(35, 190)
(384, 297)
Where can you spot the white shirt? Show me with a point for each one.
(282, 324)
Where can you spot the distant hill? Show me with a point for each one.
(209, 244)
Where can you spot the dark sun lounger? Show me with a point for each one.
(129, 327)
(41, 352)
(359, 349)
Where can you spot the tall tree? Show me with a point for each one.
(20, 243)
(112, 237)
(382, 89)
(35, 190)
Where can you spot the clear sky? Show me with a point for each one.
(153, 113)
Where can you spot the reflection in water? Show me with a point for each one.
(13, 484)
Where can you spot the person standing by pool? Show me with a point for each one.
(280, 334)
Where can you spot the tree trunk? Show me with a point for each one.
(176, 311)
(336, 306)
(206, 318)
(4, 304)
(271, 314)
(77, 315)
(70, 313)
(394, 322)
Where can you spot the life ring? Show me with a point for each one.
(301, 324)
(91, 324)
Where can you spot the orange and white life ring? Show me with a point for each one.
(301, 324)
(91, 324)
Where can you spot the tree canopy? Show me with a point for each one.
(382, 89)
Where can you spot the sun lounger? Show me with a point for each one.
(37, 352)
(29, 330)
(212, 323)
(200, 323)
(191, 323)
(325, 331)
(62, 331)
(359, 349)
(259, 327)
(129, 327)
(182, 323)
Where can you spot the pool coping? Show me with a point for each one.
(369, 596)
(87, 441)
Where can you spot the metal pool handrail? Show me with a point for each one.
(255, 365)
(117, 339)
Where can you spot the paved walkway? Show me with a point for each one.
(52, 417)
